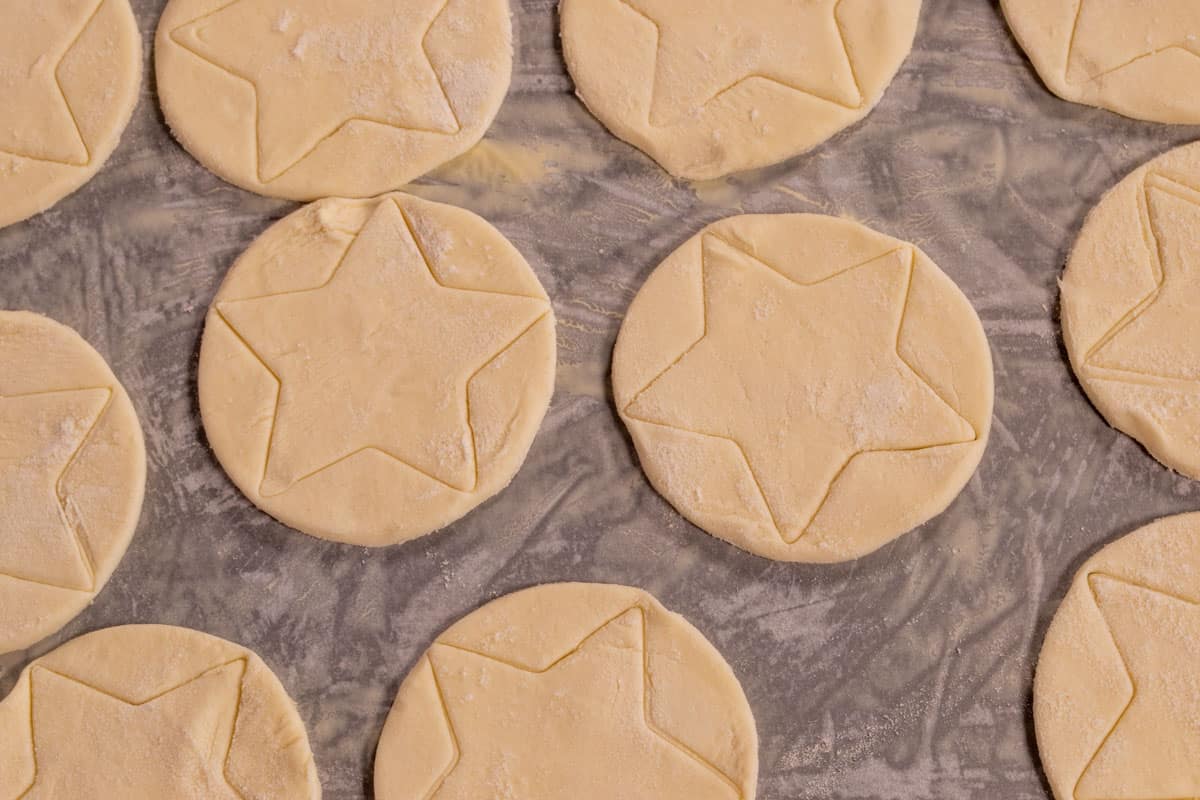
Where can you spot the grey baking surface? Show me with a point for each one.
(904, 675)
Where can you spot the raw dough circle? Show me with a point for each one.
(311, 98)
(804, 387)
(1134, 57)
(70, 72)
(147, 711)
(711, 87)
(584, 691)
(1130, 296)
(1118, 681)
(72, 476)
(372, 370)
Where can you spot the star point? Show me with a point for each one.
(34, 39)
(1153, 749)
(1160, 337)
(805, 383)
(382, 335)
(90, 743)
(1100, 47)
(591, 701)
(796, 44)
(40, 436)
(317, 66)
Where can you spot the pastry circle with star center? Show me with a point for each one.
(585, 691)
(712, 87)
(1118, 681)
(306, 99)
(371, 370)
(804, 387)
(1129, 298)
(153, 711)
(70, 72)
(1137, 59)
(72, 476)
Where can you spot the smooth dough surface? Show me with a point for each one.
(804, 387)
(585, 691)
(72, 476)
(70, 71)
(1131, 308)
(1118, 681)
(153, 711)
(1140, 58)
(711, 87)
(372, 370)
(306, 99)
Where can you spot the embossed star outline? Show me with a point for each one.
(174, 742)
(500, 320)
(747, 423)
(714, 62)
(30, 57)
(1142, 622)
(1176, 37)
(47, 520)
(612, 660)
(1128, 352)
(284, 34)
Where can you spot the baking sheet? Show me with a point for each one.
(903, 675)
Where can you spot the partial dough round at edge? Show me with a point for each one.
(695, 697)
(391, 502)
(1111, 270)
(203, 104)
(269, 757)
(107, 476)
(1152, 81)
(102, 112)
(1082, 687)
(868, 505)
(611, 51)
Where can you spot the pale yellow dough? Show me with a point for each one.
(1131, 308)
(1118, 681)
(72, 476)
(70, 71)
(804, 387)
(1140, 58)
(152, 711)
(580, 691)
(372, 370)
(316, 98)
(711, 87)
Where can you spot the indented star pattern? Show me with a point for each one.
(380, 358)
(1153, 751)
(1159, 339)
(316, 65)
(797, 43)
(37, 119)
(1111, 34)
(89, 743)
(521, 733)
(40, 435)
(809, 377)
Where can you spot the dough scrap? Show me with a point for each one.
(306, 99)
(153, 711)
(70, 71)
(584, 691)
(1117, 683)
(72, 476)
(1140, 58)
(712, 87)
(372, 370)
(1130, 295)
(804, 387)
